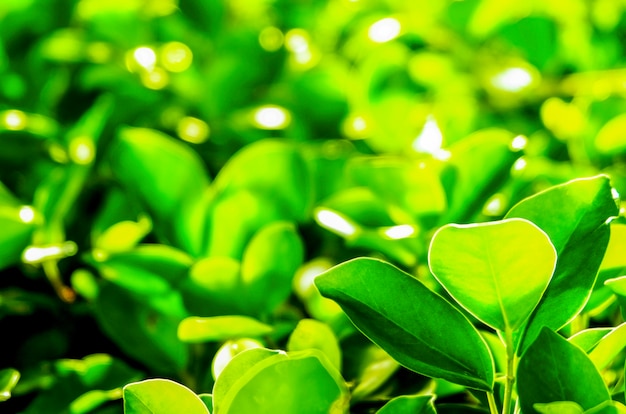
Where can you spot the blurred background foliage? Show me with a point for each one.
(163, 159)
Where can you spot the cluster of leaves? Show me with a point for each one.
(313, 206)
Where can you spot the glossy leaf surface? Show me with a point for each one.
(404, 317)
(550, 370)
(485, 267)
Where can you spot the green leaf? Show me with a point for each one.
(609, 347)
(486, 268)
(147, 269)
(81, 385)
(219, 328)
(479, 164)
(144, 326)
(213, 287)
(409, 404)
(574, 215)
(404, 317)
(610, 138)
(161, 396)
(273, 169)
(268, 267)
(312, 334)
(559, 407)
(231, 373)
(553, 370)
(8, 379)
(235, 218)
(17, 228)
(618, 286)
(148, 163)
(274, 385)
(228, 351)
(589, 338)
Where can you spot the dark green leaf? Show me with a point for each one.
(554, 370)
(405, 318)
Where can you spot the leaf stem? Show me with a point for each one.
(493, 407)
(510, 372)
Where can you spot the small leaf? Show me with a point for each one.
(161, 396)
(553, 370)
(409, 404)
(404, 317)
(219, 328)
(312, 334)
(8, 379)
(609, 347)
(618, 286)
(574, 215)
(486, 268)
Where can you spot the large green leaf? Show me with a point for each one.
(274, 385)
(150, 165)
(553, 370)
(405, 318)
(487, 268)
(574, 215)
(161, 396)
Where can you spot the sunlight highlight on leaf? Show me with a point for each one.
(335, 222)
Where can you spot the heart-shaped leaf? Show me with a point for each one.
(487, 268)
(574, 215)
(416, 326)
(161, 396)
(552, 369)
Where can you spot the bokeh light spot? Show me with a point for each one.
(27, 214)
(271, 117)
(512, 80)
(271, 39)
(145, 57)
(193, 130)
(384, 30)
(14, 120)
(176, 56)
